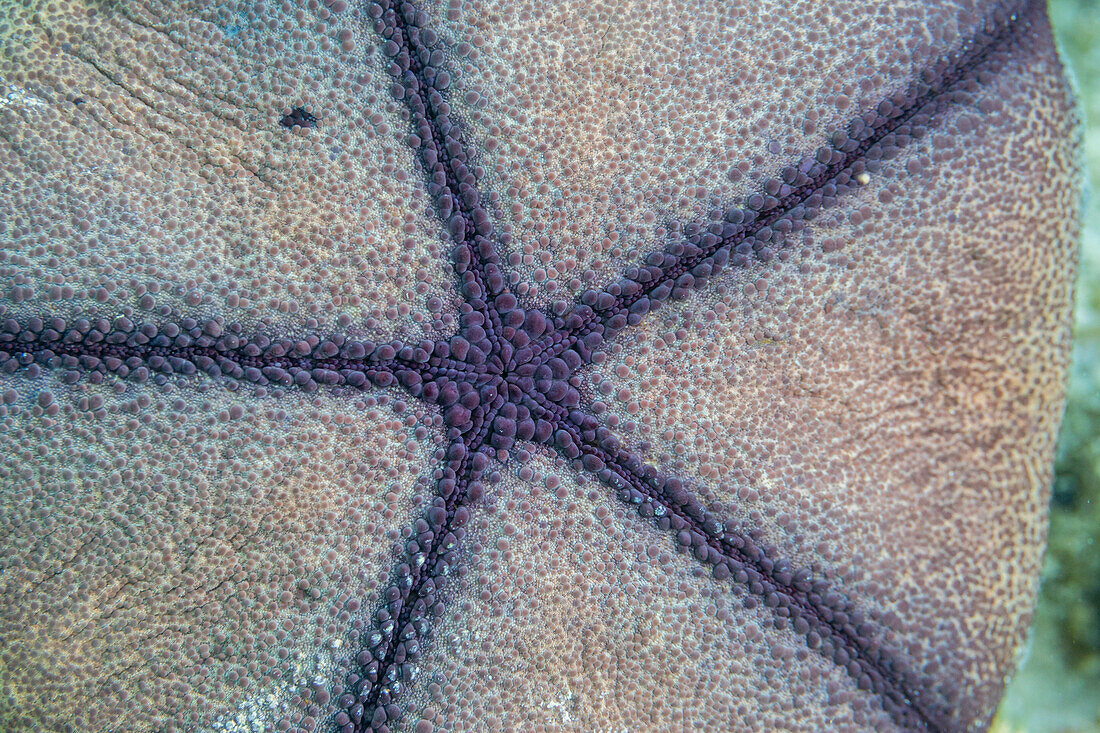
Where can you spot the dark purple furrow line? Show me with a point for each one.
(757, 230)
(826, 619)
(543, 409)
(448, 162)
(433, 551)
(140, 351)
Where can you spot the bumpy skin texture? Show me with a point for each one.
(325, 403)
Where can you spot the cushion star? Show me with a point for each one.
(401, 367)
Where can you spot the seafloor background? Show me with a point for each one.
(1058, 687)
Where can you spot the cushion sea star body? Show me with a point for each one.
(509, 388)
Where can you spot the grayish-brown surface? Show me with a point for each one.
(881, 401)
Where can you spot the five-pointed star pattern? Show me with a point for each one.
(509, 377)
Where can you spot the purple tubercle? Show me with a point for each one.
(506, 376)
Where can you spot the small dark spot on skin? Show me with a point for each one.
(78, 101)
(505, 383)
(298, 117)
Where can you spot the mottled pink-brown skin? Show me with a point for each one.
(881, 401)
